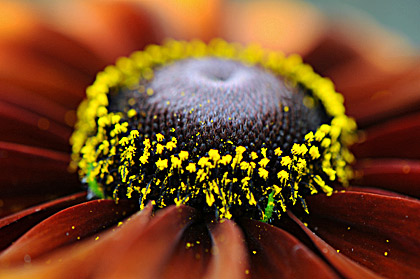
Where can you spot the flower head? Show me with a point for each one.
(221, 127)
(211, 141)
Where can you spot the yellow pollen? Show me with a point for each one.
(105, 141)
(159, 137)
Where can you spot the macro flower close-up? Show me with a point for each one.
(206, 139)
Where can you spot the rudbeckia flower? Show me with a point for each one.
(198, 158)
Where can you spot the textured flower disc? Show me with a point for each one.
(226, 129)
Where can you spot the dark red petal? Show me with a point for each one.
(377, 191)
(274, 253)
(192, 254)
(12, 227)
(380, 232)
(398, 138)
(147, 252)
(24, 127)
(401, 176)
(385, 96)
(87, 258)
(331, 52)
(230, 259)
(25, 99)
(346, 267)
(44, 76)
(26, 170)
(65, 227)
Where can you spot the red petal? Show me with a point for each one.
(191, 257)
(24, 127)
(383, 95)
(65, 227)
(402, 176)
(43, 76)
(14, 226)
(376, 191)
(146, 253)
(343, 265)
(275, 253)
(230, 259)
(380, 232)
(28, 170)
(86, 259)
(398, 138)
(331, 52)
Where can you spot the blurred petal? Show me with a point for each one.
(24, 100)
(110, 28)
(375, 70)
(343, 265)
(14, 226)
(27, 30)
(275, 253)
(188, 19)
(398, 175)
(24, 127)
(229, 255)
(289, 26)
(37, 58)
(26, 170)
(377, 231)
(397, 138)
(65, 227)
(356, 39)
(379, 94)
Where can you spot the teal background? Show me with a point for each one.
(401, 16)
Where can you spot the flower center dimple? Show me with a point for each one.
(208, 102)
(231, 133)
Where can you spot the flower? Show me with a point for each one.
(365, 231)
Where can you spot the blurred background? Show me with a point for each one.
(402, 16)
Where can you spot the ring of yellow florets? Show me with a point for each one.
(107, 150)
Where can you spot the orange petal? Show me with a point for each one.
(188, 19)
(289, 26)
(36, 57)
(230, 259)
(110, 28)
